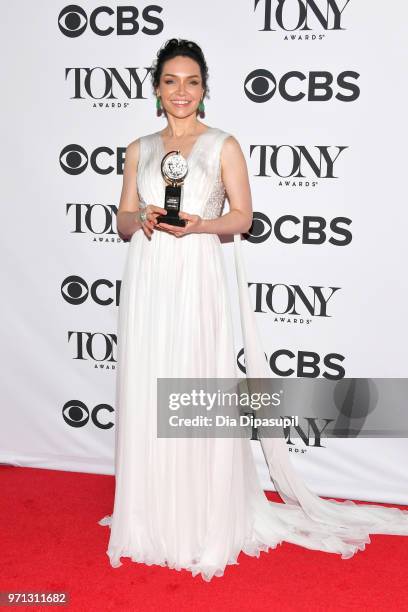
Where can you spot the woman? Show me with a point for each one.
(196, 503)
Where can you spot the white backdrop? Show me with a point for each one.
(64, 138)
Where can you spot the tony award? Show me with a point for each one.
(174, 170)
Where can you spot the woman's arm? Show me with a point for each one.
(127, 219)
(235, 178)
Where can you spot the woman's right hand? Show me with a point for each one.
(152, 212)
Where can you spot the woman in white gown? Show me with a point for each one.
(196, 503)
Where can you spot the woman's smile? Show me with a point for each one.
(180, 102)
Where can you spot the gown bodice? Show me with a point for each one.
(203, 191)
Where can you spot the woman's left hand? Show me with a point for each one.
(193, 226)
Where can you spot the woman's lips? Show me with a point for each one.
(180, 102)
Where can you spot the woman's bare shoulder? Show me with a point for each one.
(231, 142)
(133, 147)
(230, 147)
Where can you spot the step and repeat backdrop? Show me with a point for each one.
(314, 92)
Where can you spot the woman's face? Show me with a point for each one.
(180, 86)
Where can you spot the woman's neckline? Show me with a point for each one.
(192, 148)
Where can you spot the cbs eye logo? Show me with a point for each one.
(74, 290)
(76, 414)
(73, 20)
(317, 86)
(241, 361)
(73, 159)
(260, 230)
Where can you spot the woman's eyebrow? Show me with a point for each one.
(189, 77)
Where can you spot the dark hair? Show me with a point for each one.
(172, 48)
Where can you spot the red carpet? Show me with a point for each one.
(51, 542)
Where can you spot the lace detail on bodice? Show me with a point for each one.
(214, 205)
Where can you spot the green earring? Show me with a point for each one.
(201, 108)
(158, 106)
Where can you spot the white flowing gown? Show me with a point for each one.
(196, 503)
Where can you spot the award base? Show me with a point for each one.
(171, 219)
(172, 206)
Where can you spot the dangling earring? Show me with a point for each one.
(201, 109)
(159, 108)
